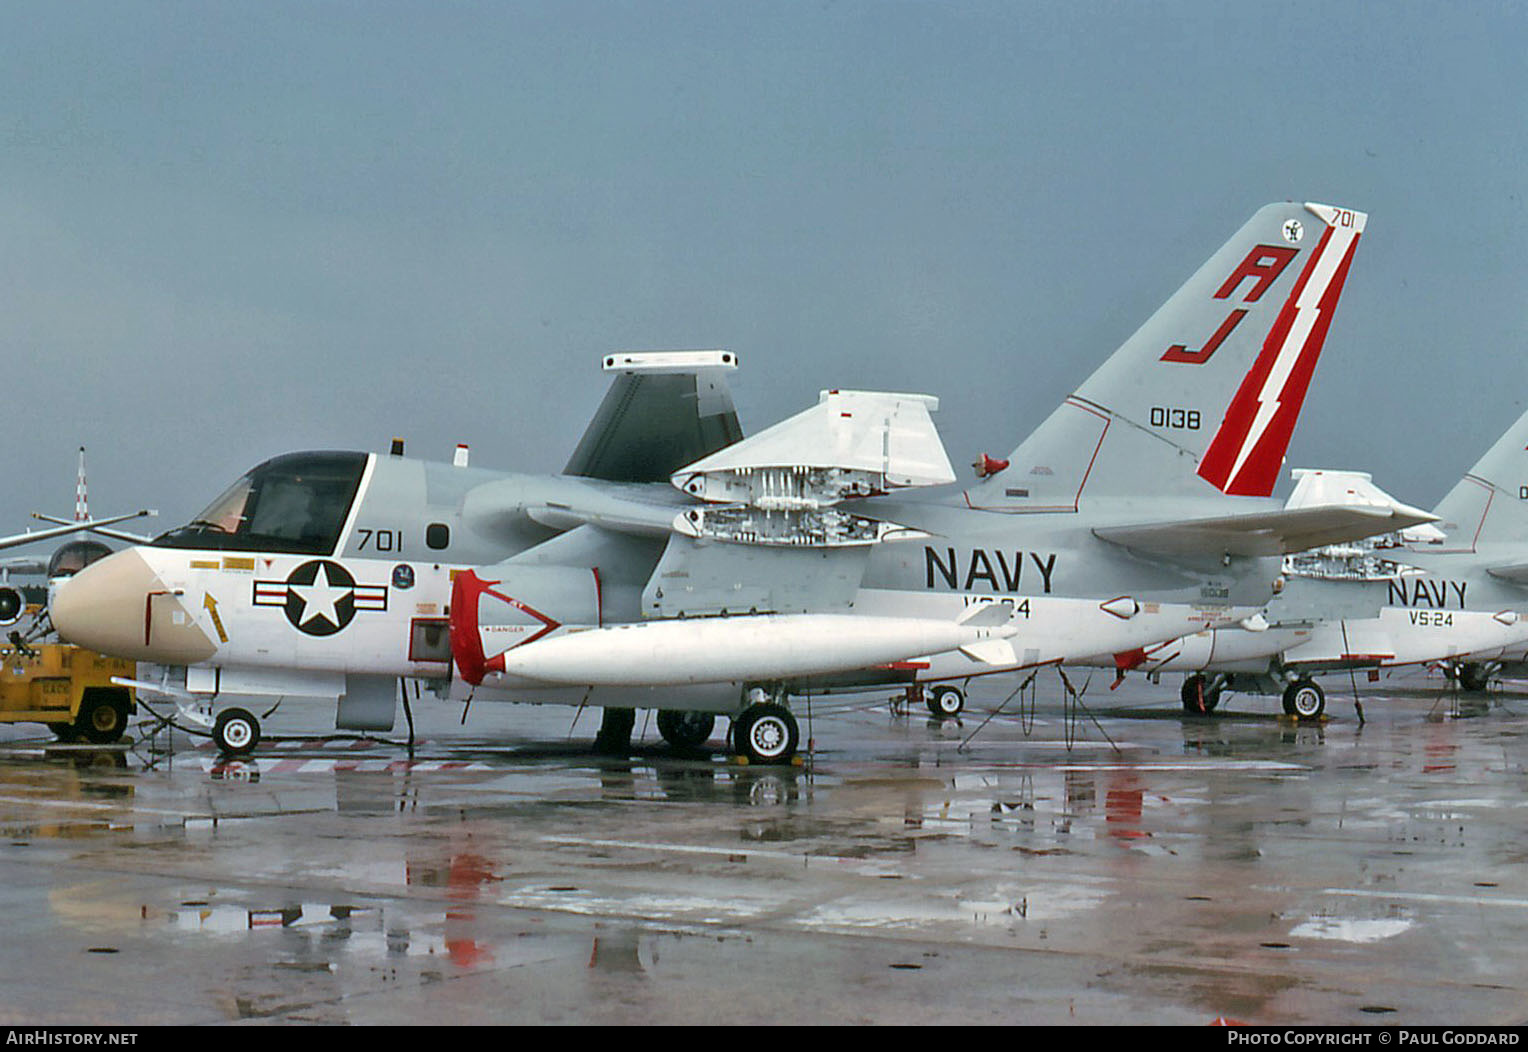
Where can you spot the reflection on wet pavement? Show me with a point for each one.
(1196, 867)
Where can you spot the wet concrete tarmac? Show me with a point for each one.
(1147, 868)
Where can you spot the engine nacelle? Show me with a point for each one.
(12, 604)
(497, 608)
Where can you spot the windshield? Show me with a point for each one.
(297, 503)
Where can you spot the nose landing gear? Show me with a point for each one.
(236, 732)
(765, 732)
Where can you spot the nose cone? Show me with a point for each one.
(120, 606)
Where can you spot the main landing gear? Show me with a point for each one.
(765, 732)
(1473, 675)
(946, 701)
(1304, 699)
(1200, 694)
(685, 730)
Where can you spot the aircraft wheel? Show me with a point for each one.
(685, 730)
(103, 716)
(946, 701)
(236, 732)
(766, 733)
(1199, 699)
(1304, 698)
(1473, 676)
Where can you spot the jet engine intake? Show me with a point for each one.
(12, 604)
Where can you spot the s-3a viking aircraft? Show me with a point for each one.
(676, 566)
(1455, 596)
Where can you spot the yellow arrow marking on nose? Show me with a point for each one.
(217, 622)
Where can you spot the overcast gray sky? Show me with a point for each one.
(230, 230)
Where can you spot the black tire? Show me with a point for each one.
(685, 730)
(766, 733)
(946, 702)
(1199, 699)
(103, 715)
(236, 732)
(614, 737)
(1304, 699)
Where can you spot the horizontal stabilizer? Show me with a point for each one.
(1316, 487)
(1265, 533)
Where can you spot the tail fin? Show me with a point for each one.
(1491, 502)
(664, 409)
(1204, 397)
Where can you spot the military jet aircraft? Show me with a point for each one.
(1455, 596)
(675, 566)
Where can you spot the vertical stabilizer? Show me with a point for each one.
(1204, 397)
(1490, 503)
(664, 409)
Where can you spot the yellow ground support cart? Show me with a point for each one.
(68, 688)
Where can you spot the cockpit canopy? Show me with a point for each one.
(74, 557)
(296, 504)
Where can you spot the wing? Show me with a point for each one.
(1315, 487)
(771, 537)
(758, 527)
(851, 443)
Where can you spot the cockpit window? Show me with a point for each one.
(297, 503)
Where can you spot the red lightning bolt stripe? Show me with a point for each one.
(1247, 451)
